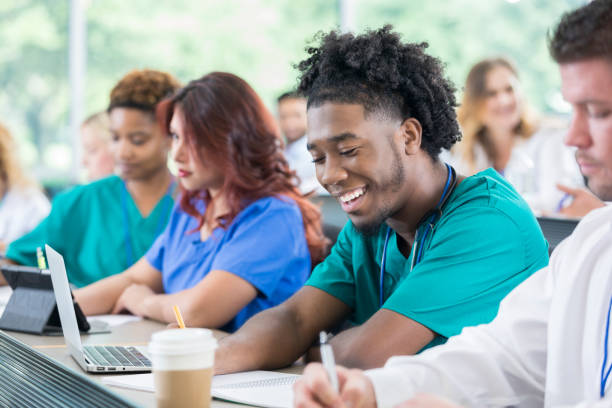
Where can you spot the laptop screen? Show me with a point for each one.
(64, 302)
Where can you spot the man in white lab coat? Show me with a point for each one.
(551, 342)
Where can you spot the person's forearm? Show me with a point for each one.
(160, 307)
(385, 334)
(464, 370)
(100, 297)
(350, 350)
(195, 312)
(269, 340)
(503, 362)
(212, 303)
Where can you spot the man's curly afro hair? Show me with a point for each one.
(385, 76)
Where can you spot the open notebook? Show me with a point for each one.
(260, 388)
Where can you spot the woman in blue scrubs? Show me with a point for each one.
(242, 238)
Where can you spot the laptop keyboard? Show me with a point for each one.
(111, 356)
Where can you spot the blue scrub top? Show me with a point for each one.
(265, 245)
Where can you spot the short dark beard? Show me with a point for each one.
(386, 210)
(604, 192)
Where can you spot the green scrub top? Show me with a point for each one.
(486, 242)
(87, 226)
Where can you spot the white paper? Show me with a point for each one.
(260, 388)
(114, 320)
(140, 382)
(5, 294)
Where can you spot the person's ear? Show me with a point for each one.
(410, 133)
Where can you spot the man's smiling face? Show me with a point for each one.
(359, 161)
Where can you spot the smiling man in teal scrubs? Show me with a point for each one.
(104, 227)
(427, 251)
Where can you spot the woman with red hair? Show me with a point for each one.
(242, 238)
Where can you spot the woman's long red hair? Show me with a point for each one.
(224, 116)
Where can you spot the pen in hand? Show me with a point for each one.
(327, 358)
(562, 202)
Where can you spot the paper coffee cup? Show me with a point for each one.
(182, 366)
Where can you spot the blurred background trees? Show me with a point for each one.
(259, 40)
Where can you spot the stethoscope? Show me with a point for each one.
(129, 252)
(430, 218)
(605, 371)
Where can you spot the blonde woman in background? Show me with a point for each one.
(96, 135)
(22, 202)
(501, 131)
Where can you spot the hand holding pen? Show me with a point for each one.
(327, 385)
(314, 389)
(327, 358)
(583, 201)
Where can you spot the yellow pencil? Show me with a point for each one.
(179, 318)
(42, 264)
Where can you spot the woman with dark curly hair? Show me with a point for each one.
(104, 227)
(242, 238)
(427, 251)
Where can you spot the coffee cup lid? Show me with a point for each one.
(182, 341)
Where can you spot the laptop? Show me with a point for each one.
(556, 229)
(98, 359)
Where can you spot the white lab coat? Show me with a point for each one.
(535, 166)
(21, 210)
(544, 348)
(300, 160)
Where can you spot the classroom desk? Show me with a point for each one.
(132, 333)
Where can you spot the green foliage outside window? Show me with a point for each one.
(259, 40)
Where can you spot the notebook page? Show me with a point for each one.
(260, 388)
(140, 382)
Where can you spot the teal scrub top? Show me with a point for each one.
(486, 242)
(87, 226)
